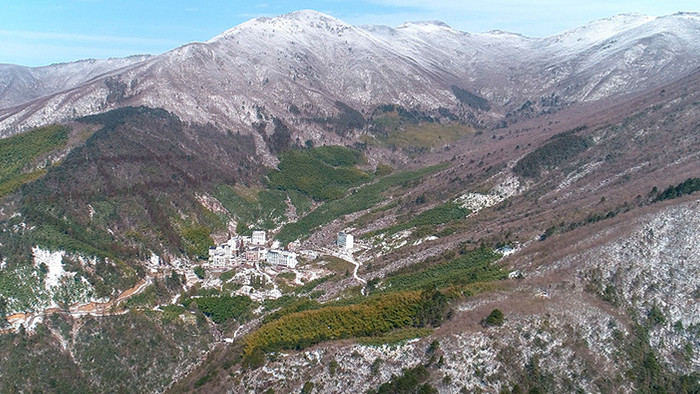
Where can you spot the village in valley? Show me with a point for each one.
(257, 267)
(253, 266)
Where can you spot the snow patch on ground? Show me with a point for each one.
(576, 175)
(425, 239)
(154, 262)
(54, 262)
(475, 202)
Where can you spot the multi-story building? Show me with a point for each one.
(258, 238)
(281, 257)
(225, 254)
(345, 241)
(255, 254)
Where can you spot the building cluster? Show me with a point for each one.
(239, 250)
(242, 250)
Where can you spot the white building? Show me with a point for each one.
(345, 241)
(281, 257)
(224, 255)
(235, 243)
(255, 254)
(221, 256)
(258, 238)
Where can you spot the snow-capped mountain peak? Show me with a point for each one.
(293, 22)
(310, 60)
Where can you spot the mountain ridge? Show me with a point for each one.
(377, 68)
(40, 81)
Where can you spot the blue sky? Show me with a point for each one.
(41, 32)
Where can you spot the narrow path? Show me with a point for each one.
(266, 276)
(354, 272)
(79, 310)
(350, 259)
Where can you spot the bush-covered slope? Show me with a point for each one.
(19, 152)
(135, 352)
(323, 173)
(133, 188)
(138, 175)
(561, 148)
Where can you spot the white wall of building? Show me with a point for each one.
(258, 238)
(345, 241)
(281, 257)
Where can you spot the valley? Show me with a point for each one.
(299, 204)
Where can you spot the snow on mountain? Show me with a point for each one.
(582, 37)
(310, 61)
(20, 84)
(623, 53)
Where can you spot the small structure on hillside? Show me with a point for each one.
(281, 257)
(345, 241)
(293, 246)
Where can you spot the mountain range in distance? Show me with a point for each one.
(314, 61)
(525, 212)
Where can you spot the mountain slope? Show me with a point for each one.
(524, 213)
(603, 286)
(297, 66)
(19, 84)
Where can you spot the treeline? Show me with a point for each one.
(120, 116)
(223, 308)
(441, 214)
(262, 209)
(287, 305)
(561, 148)
(411, 381)
(338, 156)
(468, 98)
(375, 316)
(364, 197)
(389, 118)
(347, 120)
(688, 186)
